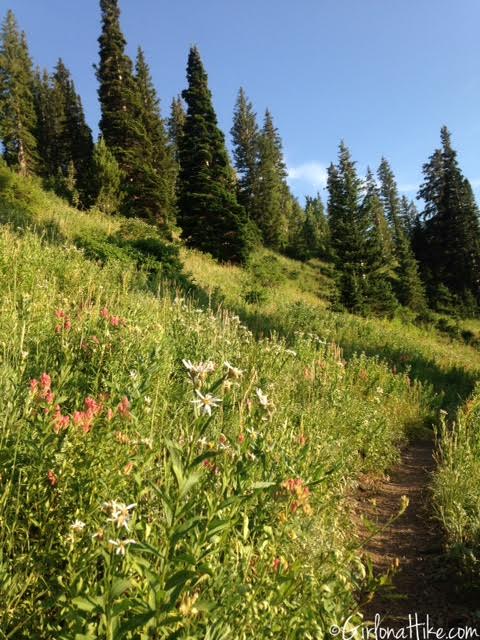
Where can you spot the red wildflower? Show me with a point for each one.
(93, 407)
(60, 313)
(115, 321)
(52, 478)
(276, 564)
(124, 408)
(45, 381)
(60, 422)
(105, 313)
(241, 438)
(33, 385)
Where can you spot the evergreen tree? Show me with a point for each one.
(380, 252)
(451, 226)
(107, 179)
(272, 192)
(245, 137)
(17, 108)
(349, 233)
(117, 87)
(176, 124)
(381, 232)
(159, 165)
(409, 215)
(131, 124)
(47, 130)
(309, 232)
(209, 214)
(409, 287)
(74, 137)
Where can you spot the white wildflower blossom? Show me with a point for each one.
(233, 372)
(78, 526)
(291, 352)
(121, 545)
(119, 512)
(262, 398)
(198, 372)
(206, 403)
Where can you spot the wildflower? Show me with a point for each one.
(262, 398)
(52, 478)
(187, 605)
(45, 381)
(59, 313)
(119, 513)
(121, 545)
(115, 321)
(233, 372)
(291, 352)
(78, 526)
(298, 490)
(122, 438)
(60, 422)
(211, 466)
(198, 372)
(104, 313)
(93, 407)
(241, 438)
(124, 407)
(128, 468)
(84, 420)
(33, 385)
(205, 403)
(99, 535)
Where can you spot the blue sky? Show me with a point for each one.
(382, 74)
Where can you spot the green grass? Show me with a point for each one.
(241, 521)
(456, 494)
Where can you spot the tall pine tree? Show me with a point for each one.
(18, 121)
(209, 214)
(409, 286)
(349, 233)
(245, 138)
(157, 160)
(271, 195)
(451, 228)
(130, 105)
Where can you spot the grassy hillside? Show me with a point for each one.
(168, 468)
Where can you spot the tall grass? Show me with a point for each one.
(456, 494)
(171, 470)
(238, 517)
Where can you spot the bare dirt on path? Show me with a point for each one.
(423, 582)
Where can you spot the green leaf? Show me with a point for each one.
(119, 586)
(88, 604)
(179, 578)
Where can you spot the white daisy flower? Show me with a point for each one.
(232, 371)
(206, 402)
(121, 545)
(262, 398)
(121, 516)
(78, 526)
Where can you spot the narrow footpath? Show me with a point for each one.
(423, 581)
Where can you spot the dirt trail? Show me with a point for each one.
(423, 583)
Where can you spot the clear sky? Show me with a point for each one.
(384, 75)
